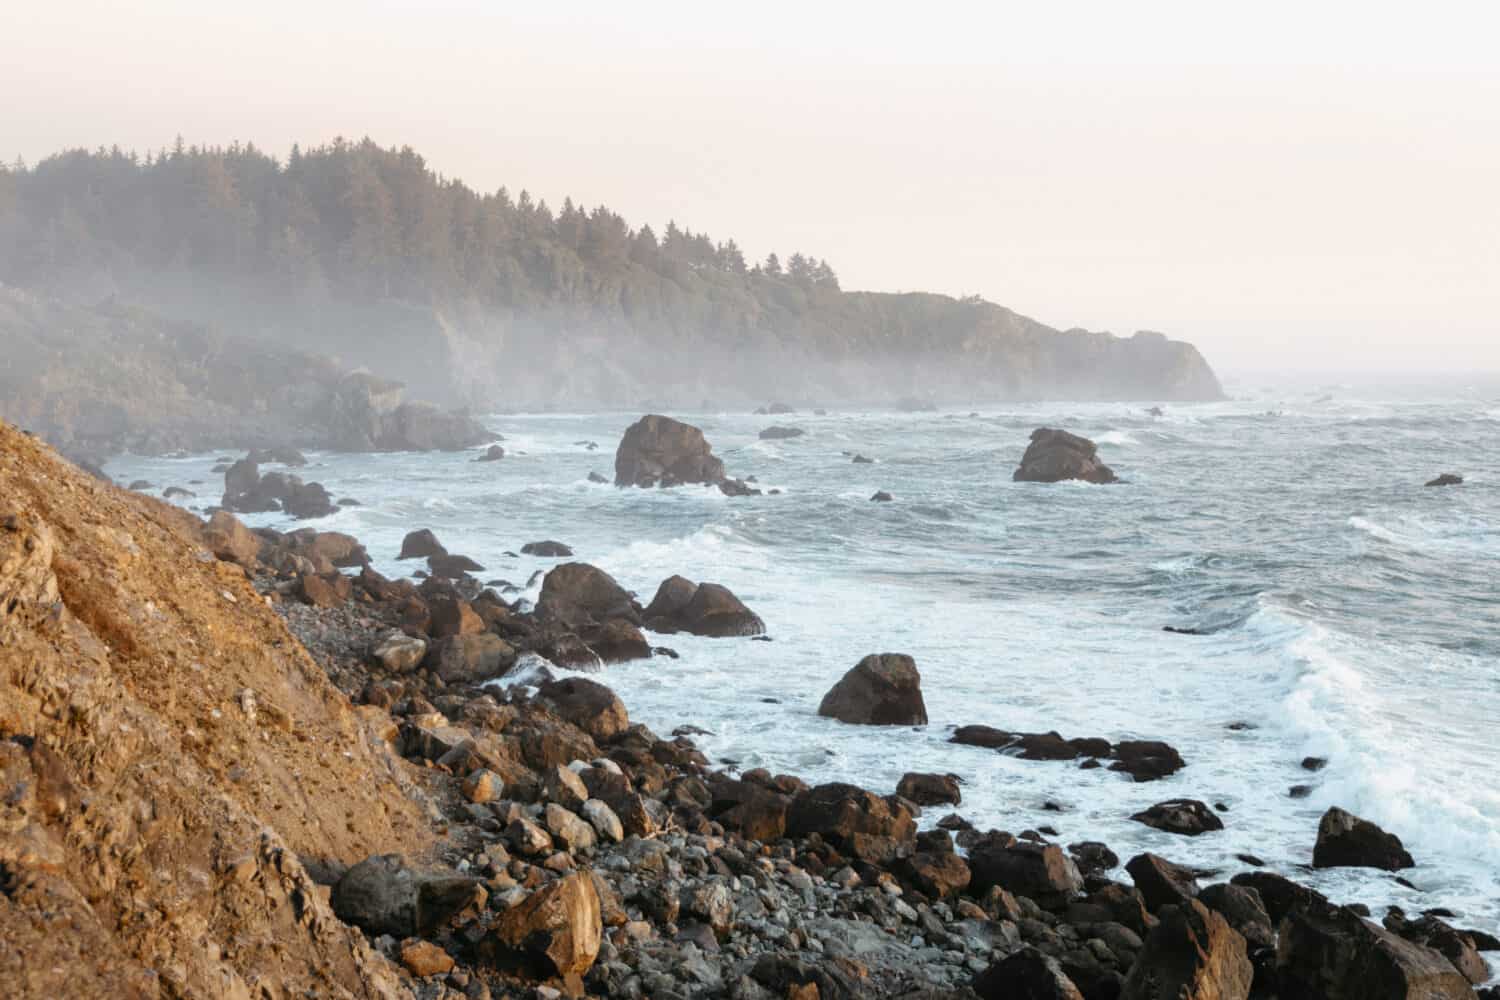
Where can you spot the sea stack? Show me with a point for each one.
(1055, 455)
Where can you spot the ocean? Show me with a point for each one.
(1348, 612)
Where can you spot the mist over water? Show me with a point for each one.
(1351, 613)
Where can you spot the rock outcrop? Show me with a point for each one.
(660, 451)
(1346, 841)
(1055, 455)
(883, 689)
(708, 609)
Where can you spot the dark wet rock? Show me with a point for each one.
(862, 460)
(1279, 895)
(383, 894)
(1188, 817)
(883, 689)
(547, 549)
(1037, 871)
(452, 567)
(786, 975)
(1055, 455)
(451, 615)
(1242, 907)
(779, 433)
(881, 496)
(617, 641)
(141, 484)
(1314, 763)
(930, 789)
(578, 594)
(493, 453)
(706, 609)
(1447, 479)
(1334, 954)
(863, 823)
(1161, 883)
(421, 544)
(1299, 791)
(1143, 760)
(1146, 760)
(595, 477)
(738, 488)
(1093, 857)
(660, 451)
(1461, 948)
(1346, 841)
(1192, 954)
(1185, 630)
(1029, 974)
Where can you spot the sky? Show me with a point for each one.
(1312, 185)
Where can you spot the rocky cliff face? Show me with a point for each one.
(169, 757)
(95, 381)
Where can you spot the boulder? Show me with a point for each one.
(325, 590)
(1028, 974)
(493, 453)
(706, 609)
(469, 659)
(881, 496)
(1459, 947)
(617, 641)
(228, 539)
(1280, 896)
(1191, 954)
(1188, 817)
(1346, 841)
(660, 451)
(883, 689)
(1446, 479)
(1146, 760)
(1055, 455)
(588, 705)
(779, 433)
(1161, 883)
(399, 653)
(452, 567)
(852, 819)
(421, 544)
(578, 594)
(383, 894)
(1093, 857)
(546, 549)
(568, 829)
(929, 789)
(1334, 954)
(423, 958)
(556, 931)
(936, 874)
(1241, 906)
(451, 615)
(1041, 872)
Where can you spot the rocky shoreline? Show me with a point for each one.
(565, 850)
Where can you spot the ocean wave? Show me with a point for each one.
(1467, 536)
(1118, 438)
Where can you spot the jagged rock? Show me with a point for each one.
(1459, 947)
(1055, 455)
(325, 590)
(1192, 954)
(482, 785)
(577, 594)
(1026, 975)
(862, 460)
(421, 544)
(383, 894)
(711, 903)
(527, 838)
(853, 819)
(604, 821)
(588, 705)
(883, 689)
(1280, 895)
(283, 455)
(568, 829)
(881, 496)
(1447, 479)
(399, 653)
(1188, 817)
(230, 540)
(1334, 954)
(617, 641)
(557, 930)
(1161, 882)
(936, 874)
(563, 785)
(1093, 857)
(1241, 906)
(547, 549)
(1346, 841)
(660, 451)
(423, 958)
(1146, 760)
(450, 615)
(702, 609)
(930, 789)
(1038, 871)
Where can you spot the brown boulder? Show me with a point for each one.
(1188, 817)
(556, 930)
(383, 894)
(1192, 954)
(588, 705)
(229, 539)
(1039, 871)
(839, 813)
(452, 615)
(936, 874)
(1334, 954)
(660, 451)
(1026, 975)
(470, 658)
(421, 544)
(1346, 841)
(702, 609)
(1161, 883)
(617, 641)
(1055, 455)
(328, 590)
(930, 789)
(883, 689)
(579, 594)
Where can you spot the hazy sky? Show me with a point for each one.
(1314, 183)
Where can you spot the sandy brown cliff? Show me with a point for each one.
(167, 753)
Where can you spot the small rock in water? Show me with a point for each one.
(1447, 479)
(882, 496)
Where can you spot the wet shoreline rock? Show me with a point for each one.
(1056, 455)
(883, 689)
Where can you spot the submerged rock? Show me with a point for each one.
(1055, 455)
(779, 433)
(1447, 479)
(547, 549)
